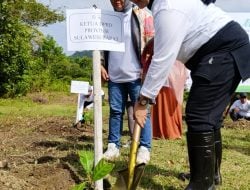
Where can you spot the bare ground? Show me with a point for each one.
(41, 153)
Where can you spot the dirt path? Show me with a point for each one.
(40, 153)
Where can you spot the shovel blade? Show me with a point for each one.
(122, 180)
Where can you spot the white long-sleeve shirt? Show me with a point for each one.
(181, 28)
(244, 109)
(124, 66)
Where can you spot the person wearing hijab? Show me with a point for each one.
(123, 72)
(217, 51)
(166, 113)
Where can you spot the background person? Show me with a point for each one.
(130, 114)
(235, 96)
(86, 103)
(123, 73)
(215, 48)
(240, 108)
(166, 114)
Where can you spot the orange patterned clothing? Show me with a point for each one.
(166, 114)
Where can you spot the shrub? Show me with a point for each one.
(93, 173)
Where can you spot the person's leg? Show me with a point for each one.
(130, 114)
(201, 160)
(143, 154)
(86, 104)
(213, 85)
(117, 101)
(247, 118)
(146, 132)
(233, 116)
(117, 105)
(218, 156)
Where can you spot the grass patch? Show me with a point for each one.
(29, 108)
(168, 157)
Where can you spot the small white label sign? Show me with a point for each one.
(79, 87)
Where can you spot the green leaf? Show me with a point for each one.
(87, 160)
(80, 186)
(102, 169)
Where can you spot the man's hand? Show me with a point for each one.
(140, 114)
(236, 110)
(104, 73)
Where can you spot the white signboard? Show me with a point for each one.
(79, 87)
(94, 29)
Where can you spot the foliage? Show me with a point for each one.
(29, 61)
(85, 64)
(15, 52)
(93, 173)
(185, 96)
(88, 116)
(31, 12)
(82, 54)
(53, 70)
(49, 51)
(36, 14)
(18, 39)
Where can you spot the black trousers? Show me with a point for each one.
(215, 79)
(235, 116)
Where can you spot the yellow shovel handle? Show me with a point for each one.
(133, 152)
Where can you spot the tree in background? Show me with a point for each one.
(39, 74)
(29, 61)
(57, 69)
(85, 63)
(18, 39)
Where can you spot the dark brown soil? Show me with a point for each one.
(41, 153)
(239, 124)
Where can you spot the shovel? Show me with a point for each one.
(129, 178)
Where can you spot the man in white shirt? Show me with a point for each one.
(240, 108)
(123, 71)
(216, 50)
(86, 102)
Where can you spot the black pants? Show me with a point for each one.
(235, 116)
(86, 104)
(215, 79)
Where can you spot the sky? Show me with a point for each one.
(58, 30)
